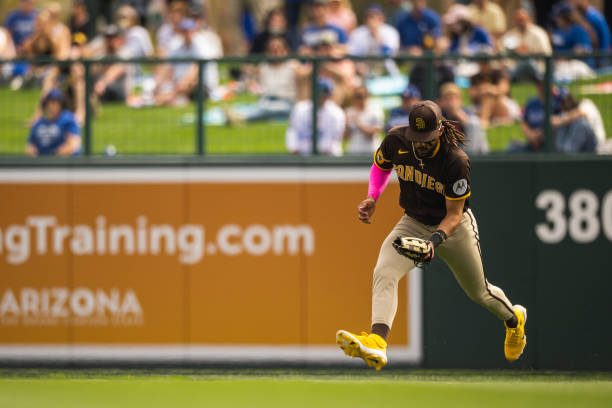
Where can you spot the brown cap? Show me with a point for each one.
(424, 122)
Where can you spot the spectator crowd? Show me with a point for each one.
(352, 95)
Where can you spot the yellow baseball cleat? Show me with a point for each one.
(371, 347)
(515, 337)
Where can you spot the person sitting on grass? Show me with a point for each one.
(277, 85)
(490, 94)
(571, 130)
(176, 82)
(56, 133)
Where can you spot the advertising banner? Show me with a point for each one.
(192, 264)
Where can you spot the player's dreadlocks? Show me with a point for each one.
(451, 134)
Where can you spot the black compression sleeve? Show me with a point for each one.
(437, 237)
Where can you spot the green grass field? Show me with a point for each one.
(317, 388)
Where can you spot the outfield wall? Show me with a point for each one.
(250, 263)
(546, 232)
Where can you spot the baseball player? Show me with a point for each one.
(434, 177)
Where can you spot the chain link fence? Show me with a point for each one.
(256, 106)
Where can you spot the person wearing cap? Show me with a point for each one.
(331, 122)
(467, 39)
(570, 36)
(20, 22)
(126, 39)
(463, 118)
(176, 82)
(571, 129)
(110, 79)
(420, 29)
(137, 37)
(434, 179)
(399, 116)
(598, 24)
(56, 133)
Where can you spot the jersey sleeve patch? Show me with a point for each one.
(381, 162)
(457, 183)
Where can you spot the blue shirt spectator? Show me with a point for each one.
(478, 40)
(569, 36)
(20, 22)
(599, 24)
(397, 10)
(420, 28)
(57, 133)
(534, 114)
(466, 38)
(319, 30)
(313, 35)
(47, 135)
(397, 117)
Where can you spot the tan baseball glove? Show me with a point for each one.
(417, 249)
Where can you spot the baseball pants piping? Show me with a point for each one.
(461, 252)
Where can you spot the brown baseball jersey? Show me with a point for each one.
(425, 182)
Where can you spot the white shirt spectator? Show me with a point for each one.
(593, 116)
(534, 39)
(359, 141)
(165, 33)
(138, 41)
(331, 122)
(477, 138)
(213, 42)
(7, 51)
(363, 43)
(202, 46)
(278, 79)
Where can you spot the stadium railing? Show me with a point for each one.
(214, 124)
